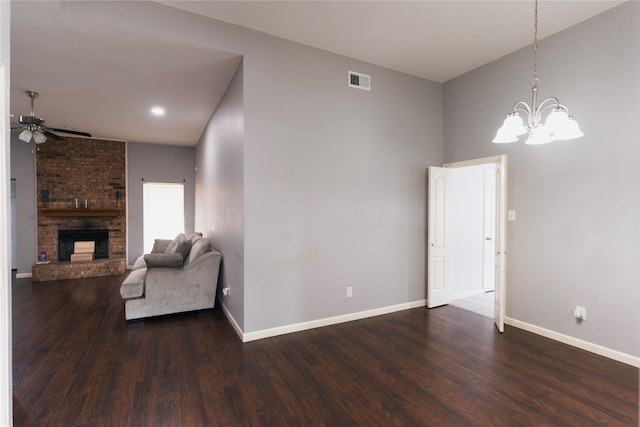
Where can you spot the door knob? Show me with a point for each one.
(488, 238)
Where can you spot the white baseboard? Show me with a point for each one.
(23, 275)
(303, 326)
(575, 342)
(231, 319)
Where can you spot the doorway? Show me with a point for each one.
(473, 253)
(467, 245)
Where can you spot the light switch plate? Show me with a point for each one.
(511, 215)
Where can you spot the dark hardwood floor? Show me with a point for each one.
(77, 362)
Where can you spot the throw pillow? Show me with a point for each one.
(183, 248)
(172, 246)
(163, 260)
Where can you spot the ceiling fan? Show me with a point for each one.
(35, 128)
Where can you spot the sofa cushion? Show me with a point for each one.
(174, 260)
(133, 285)
(193, 237)
(174, 244)
(200, 247)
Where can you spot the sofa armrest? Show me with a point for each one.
(199, 276)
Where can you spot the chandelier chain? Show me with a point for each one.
(535, 44)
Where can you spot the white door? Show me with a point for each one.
(489, 231)
(501, 244)
(14, 227)
(438, 238)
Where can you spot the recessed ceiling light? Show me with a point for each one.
(157, 111)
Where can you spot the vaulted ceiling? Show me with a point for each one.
(103, 80)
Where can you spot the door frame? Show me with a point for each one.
(501, 214)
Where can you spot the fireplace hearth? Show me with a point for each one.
(66, 239)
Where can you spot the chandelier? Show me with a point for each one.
(559, 124)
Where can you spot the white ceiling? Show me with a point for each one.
(101, 79)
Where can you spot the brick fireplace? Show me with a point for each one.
(69, 172)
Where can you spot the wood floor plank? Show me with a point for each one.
(77, 362)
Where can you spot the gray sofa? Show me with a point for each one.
(178, 275)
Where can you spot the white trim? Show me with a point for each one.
(23, 275)
(474, 162)
(303, 326)
(232, 319)
(501, 291)
(6, 373)
(575, 342)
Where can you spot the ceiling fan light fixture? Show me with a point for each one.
(39, 137)
(25, 135)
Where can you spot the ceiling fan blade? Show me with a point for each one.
(51, 135)
(70, 132)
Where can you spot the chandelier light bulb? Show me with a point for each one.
(571, 130)
(538, 136)
(513, 123)
(504, 136)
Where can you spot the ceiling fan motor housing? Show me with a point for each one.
(31, 121)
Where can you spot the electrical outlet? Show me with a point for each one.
(349, 292)
(580, 313)
(226, 291)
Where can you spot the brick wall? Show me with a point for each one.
(81, 168)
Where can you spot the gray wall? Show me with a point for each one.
(156, 163)
(576, 238)
(335, 183)
(220, 192)
(323, 188)
(23, 171)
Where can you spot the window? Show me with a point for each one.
(163, 212)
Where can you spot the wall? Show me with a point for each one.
(335, 184)
(156, 163)
(23, 171)
(220, 192)
(576, 238)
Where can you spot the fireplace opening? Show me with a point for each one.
(66, 239)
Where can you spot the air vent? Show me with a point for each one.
(360, 81)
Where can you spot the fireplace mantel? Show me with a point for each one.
(81, 212)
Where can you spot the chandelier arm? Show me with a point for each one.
(522, 106)
(548, 103)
